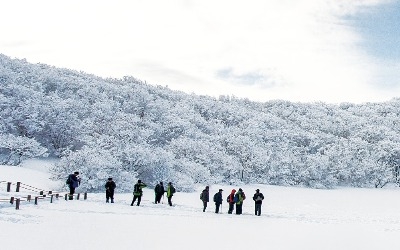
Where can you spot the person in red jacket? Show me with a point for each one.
(231, 201)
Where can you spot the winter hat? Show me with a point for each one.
(139, 181)
(110, 179)
(257, 190)
(220, 190)
(76, 172)
(240, 189)
(161, 183)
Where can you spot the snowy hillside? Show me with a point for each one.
(292, 218)
(130, 129)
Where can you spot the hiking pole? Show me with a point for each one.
(162, 199)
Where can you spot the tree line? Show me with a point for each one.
(128, 129)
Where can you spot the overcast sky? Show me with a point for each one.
(297, 50)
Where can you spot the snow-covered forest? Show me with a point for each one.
(128, 129)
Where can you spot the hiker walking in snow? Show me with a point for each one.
(73, 182)
(159, 192)
(218, 200)
(205, 197)
(239, 198)
(170, 192)
(230, 200)
(110, 186)
(138, 192)
(258, 198)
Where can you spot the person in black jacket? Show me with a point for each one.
(159, 192)
(205, 197)
(218, 200)
(110, 186)
(73, 182)
(258, 198)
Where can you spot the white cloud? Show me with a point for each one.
(295, 50)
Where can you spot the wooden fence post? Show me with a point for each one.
(77, 197)
(17, 204)
(85, 196)
(29, 198)
(36, 200)
(18, 185)
(8, 186)
(66, 197)
(51, 199)
(12, 200)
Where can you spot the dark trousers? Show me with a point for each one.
(110, 195)
(258, 209)
(239, 208)
(170, 200)
(204, 206)
(158, 198)
(217, 207)
(231, 207)
(71, 190)
(138, 197)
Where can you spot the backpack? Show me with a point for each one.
(172, 190)
(68, 180)
(215, 197)
(243, 196)
(236, 198)
(201, 196)
(228, 198)
(157, 189)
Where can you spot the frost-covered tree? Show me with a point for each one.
(129, 129)
(15, 149)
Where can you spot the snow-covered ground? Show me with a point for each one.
(292, 218)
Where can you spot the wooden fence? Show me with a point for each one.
(37, 194)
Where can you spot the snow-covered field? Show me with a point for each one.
(292, 218)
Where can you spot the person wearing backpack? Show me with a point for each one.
(159, 192)
(258, 198)
(205, 197)
(239, 197)
(170, 192)
(110, 186)
(230, 200)
(218, 200)
(73, 182)
(138, 192)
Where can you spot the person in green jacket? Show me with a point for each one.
(138, 192)
(170, 192)
(239, 198)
